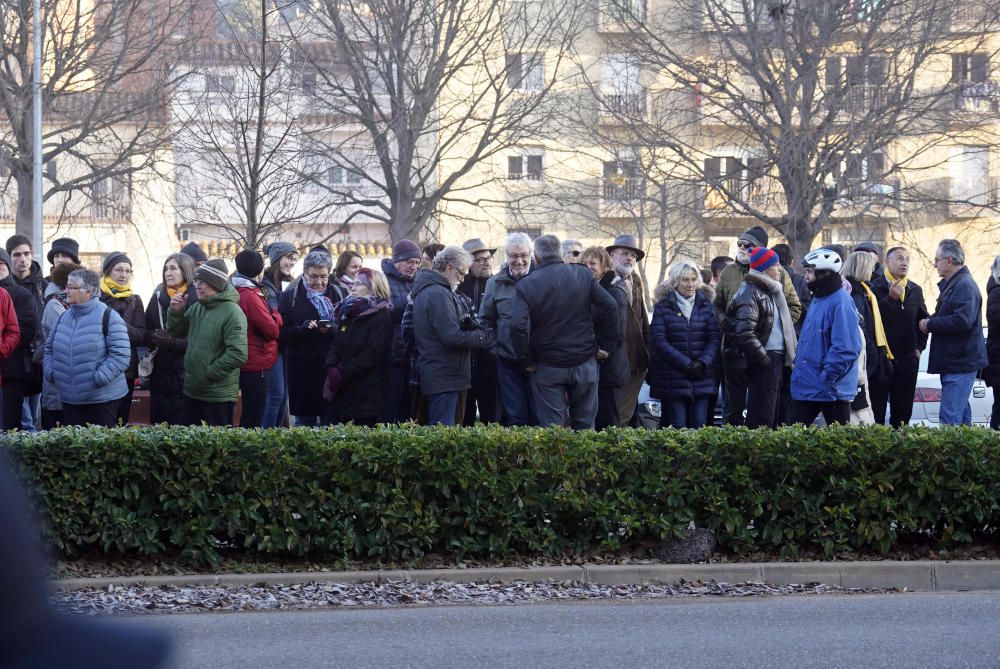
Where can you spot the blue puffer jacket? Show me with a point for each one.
(86, 367)
(678, 342)
(826, 363)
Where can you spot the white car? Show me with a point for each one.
(927, 398)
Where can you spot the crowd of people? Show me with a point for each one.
(559, 334)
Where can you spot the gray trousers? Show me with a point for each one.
(566, 396)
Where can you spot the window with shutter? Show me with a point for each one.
(979, 68)
(713, 169)
(515, 167)
(833, 73)
(534, 171)
(514, 75)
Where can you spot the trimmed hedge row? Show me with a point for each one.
(397, 493)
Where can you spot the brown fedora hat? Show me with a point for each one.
(626, 242)
(475, 245)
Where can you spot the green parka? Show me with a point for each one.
(216, 332)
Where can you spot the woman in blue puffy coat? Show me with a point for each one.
(87, 354)
(685, 335)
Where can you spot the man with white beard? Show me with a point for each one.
(729, 284)
(495, 311)
(625, 254)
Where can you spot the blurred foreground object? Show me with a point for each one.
(32, 634)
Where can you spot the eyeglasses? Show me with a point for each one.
(68, 287)
(460, 273)
(937, 260)
(746, 246)
(575, 254)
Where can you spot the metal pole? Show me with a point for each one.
(36, 181)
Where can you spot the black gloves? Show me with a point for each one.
(695, 370)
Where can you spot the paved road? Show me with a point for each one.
(904, 630)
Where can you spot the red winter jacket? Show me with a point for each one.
(10, 331)
(263, 324)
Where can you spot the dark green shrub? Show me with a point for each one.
(395, 494)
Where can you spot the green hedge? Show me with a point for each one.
(395, 494)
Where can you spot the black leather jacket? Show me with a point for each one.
(749, 319)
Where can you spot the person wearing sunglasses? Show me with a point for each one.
(730, 282)
(571, 251)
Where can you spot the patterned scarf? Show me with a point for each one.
(116, 290)
(353, 307)
(324, 307)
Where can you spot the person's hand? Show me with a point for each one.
(896, 289)
(177, 303)
(530, 369)
(335, 378)
(923, 325)
(602, 354)
(312, 325)
(917, 353)
(162, 339)
(695, 370)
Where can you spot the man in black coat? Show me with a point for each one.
(16, 368)
(445, 335)
(901, 303)
(556, 335)
(399, 271)
(483, 391)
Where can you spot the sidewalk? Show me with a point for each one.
(917, 576)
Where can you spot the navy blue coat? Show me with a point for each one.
(957, 344)
(678, 342)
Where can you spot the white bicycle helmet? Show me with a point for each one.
(824, 258)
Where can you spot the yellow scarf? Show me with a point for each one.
(880, 339)
(174, 291)
(891, 279)
(116, 290)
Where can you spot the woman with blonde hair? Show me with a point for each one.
(357, 364)
(858, 272)
(613, 365)
(685, 341)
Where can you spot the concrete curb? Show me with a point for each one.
(917, 576)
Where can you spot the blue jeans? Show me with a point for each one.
(275, 404)
(31, 413)
(955, 391)
(442, 408)
(684, 413)
(515, 395)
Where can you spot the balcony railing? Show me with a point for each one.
(978, 97)
(617, 108)
(620, 16)
(861, 100)
(967, 16)
(619, 189)
(968, 192)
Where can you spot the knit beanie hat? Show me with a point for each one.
(5, 259)
(278, 250)
(193, 251)
(249, 263)
(755, 235)
(70, 247)
(113, 259)
(762, 258)
(321, 248)
(405, 250)
(214, 272)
